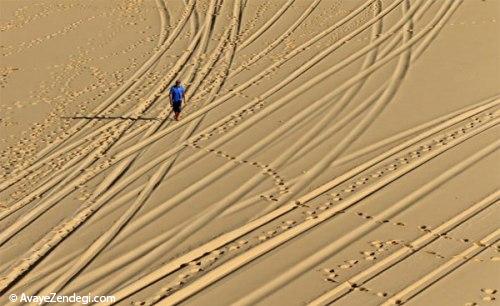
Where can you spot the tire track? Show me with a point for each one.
(24, 220)
(125, 164)
(435, 24)
(108, 287)
(110, 234)
(114, 134)
(443, 270)
(254, 79)
(266, 25)
(319, 256)
(126, 137)
(198, 118)
(164, 21)
(156, 212)
(202, 46)
(194, 20)
(107, 163)
(200, 220)
(277, 41)
(128, 85)
(56, 197)
(366, 150)
(407, 250)
(248, 83)
(255, 224)
(89, 212)
(251, 23)
(107, 209)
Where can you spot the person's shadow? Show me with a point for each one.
(110, 118)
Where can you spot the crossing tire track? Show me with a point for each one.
(257, 223)
(407, 250)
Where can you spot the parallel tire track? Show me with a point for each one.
(270, 244)
(266, 26)
(416, 245)
(92, 277)
(126, 87)
(107, 163)
(132, 150)
(156, 212)
(109, 235)
(443, 270)
(236, 234)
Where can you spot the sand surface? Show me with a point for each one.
(337, 152)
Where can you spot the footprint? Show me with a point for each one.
(234, 247)
(376, 243)
(262, 238)
(392, 242)
(331, 278)
(423, 227)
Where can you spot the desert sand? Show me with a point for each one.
(337, 152)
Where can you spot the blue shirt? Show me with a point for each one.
(177, 93)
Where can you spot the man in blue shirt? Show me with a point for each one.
(177, 96)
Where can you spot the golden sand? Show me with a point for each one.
(329, 151)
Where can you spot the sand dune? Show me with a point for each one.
(329, 151)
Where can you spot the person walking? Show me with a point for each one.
(177, 97)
